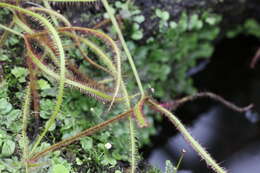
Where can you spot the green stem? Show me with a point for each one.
(133, 149)
(10, 30)
(22, 25)
(97, 50)
(25, 113)
(187, 136)
(130, 59)
(47, 6)
(128, 54)
(179, 162)
(4, 36)
(133, 144)
(55, 15)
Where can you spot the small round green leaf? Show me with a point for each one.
(59, 168)
(86, 143)
(8, 148)
(43, 84)
(5, 106)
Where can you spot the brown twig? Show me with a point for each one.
(105, 22)
(175, 104)
(34, 93)
(70, 140)
(255, 59)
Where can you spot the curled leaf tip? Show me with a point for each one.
(138, 113)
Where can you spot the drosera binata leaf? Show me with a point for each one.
(74, 83)
(81, 86)
(60, 52)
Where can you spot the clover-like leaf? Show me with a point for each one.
(43, 84)
(59, 168)
(5, 106)
(86, 143)
(20, 73)
(8, 148)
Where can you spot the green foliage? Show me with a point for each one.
(59, 168)
(133, 16)
(78, 113)
(5, 15)
(164, 17)
(250, 27)
(169, 168)
(9, 115)
(163, 61)
(173, 52)
(9, 122)
(5, 107)
(43, 84)
(78, 107)
(8, 148)
(20, 73)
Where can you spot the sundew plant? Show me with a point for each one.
(51, 67)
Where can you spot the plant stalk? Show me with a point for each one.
(25, 113)
(128, 54)
(187, 136)
(84, 133)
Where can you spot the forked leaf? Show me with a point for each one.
(116, 69)
(70, 82)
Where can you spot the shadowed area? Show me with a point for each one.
(230, 137)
